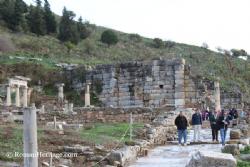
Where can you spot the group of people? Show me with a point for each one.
(218, 122)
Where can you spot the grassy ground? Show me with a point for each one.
(101, 133)
(241, 163)
(246, 150)
(233, 72)
(11, 138)
(11, 141)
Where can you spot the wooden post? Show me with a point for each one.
(131, 126)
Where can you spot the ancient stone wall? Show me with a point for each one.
(155, 83)
(140, 84)
(101, 114)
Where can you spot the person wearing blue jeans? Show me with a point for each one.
(182, 134)
(223, 122)
(223, 133)
(181, 123)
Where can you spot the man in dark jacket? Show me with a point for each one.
(223, 122)
(181, 123)
(213, 124)
(196, 122)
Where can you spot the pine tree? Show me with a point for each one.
(83, 29)
(6, 11)
(12, 13)
(36, 19)
(68, 28)
(19, 9)
(49, 18)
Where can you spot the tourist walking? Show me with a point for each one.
(181, 123)
(242, 115)
(196, 122)
(213, 124)
(223, 122)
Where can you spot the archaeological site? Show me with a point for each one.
(163, 84)
(143, 96)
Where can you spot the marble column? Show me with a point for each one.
(42, 110)
(179, 83)
(217, 96)
(17, 96)
(87, 96)
(71, 106)
(8, 99)
(66, 106)
(30, 147)
(60, 92)
(25, 97)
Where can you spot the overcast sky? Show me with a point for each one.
(224, 23)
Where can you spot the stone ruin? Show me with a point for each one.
(141, 84)
(156, 83)
(16, 83)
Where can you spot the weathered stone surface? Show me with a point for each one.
(9, 164)
(245, 157)
(235, 134)
(211, 159)
(244, 141)
(124, 155)
(231, 149)
(95, 158)
(77, 149)
(99, 114)
(133, 80)
(45, 164)
(100, 148)
(67, 162)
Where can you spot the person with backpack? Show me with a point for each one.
(181, 124)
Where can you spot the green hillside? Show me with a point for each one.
(18, 47)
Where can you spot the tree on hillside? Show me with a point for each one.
(83, 29)
(19, 10)
(204, 45)
(36, 19)
(6, 12)
(49, 18)
(68, 28)
(109, 37)
(135, 37)
(158, 43)
(12, 11)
